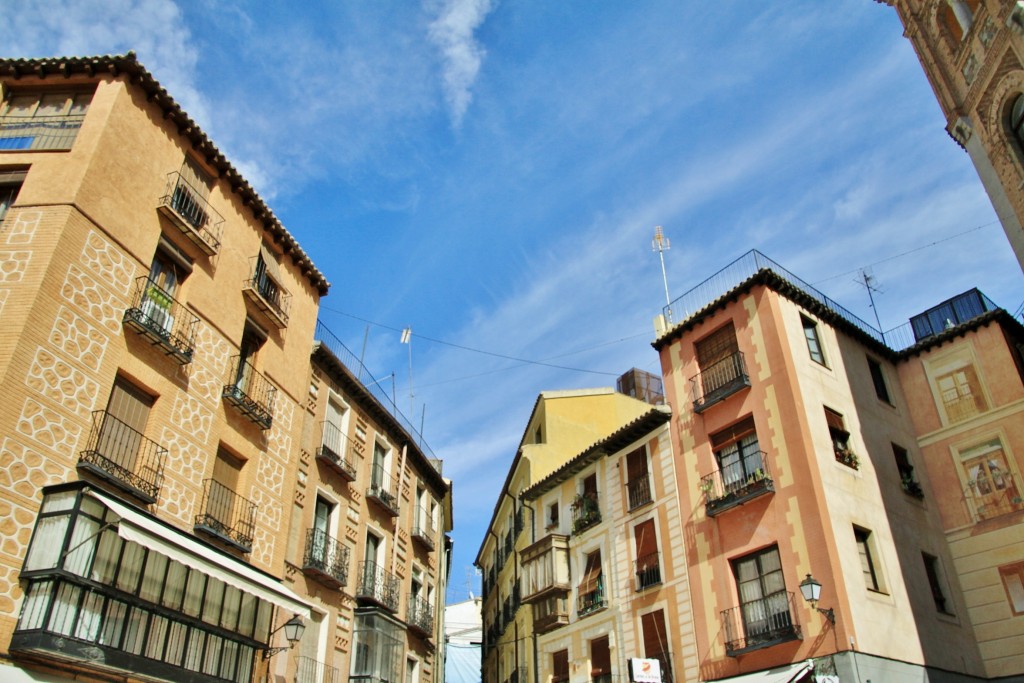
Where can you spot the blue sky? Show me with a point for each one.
(490, 173)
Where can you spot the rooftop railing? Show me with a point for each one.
(124, 457)
(39, 132)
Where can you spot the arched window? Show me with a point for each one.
(1017, 122)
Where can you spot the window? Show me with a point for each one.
(560, 666)
(43, 119)
(656, 642)
(377, 647)
(600, 660)
(878, 379)
(992, 486)
(960, 393)
(121, 437)
(1017, 122)
(267, 276)
(591, 588)
(1013, 581)
(10, 184)
(764, 602)
(908, 481)
(586, 510)
(638, 485)
(552, 516)
(867, 561)
(840, 439)
(933, 571)
(738, 454)
(335, 426)
(322, 527)
(648, 570)
(538, 436)
(813, 341)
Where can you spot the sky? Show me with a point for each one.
(489, 173)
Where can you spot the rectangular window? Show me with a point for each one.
(10, 184)
(1013, 581)
(764, 602)
(813, 340)
(638, 485)
(992, 486)
(655, 639)
(908, 481)
(933, 571)
(120, 436)
(553, 515)
(878, 379)
(717, 346)
(738, 454)
(840, 438)
(648, 569)
(591, 588)
(600, 660)
(560, 666)
(867, 561)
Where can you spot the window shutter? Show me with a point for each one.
(560, 664)
(834, 420)
(655, 638)
(646, 544)
(592, 574)
(636, 464)
(600, 657)
(717, 346)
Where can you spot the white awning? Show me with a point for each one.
(147, 532)
(783, 674)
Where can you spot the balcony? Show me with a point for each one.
(123, 457)
(590, 601)
(333, 446)
(162, 320)
(423, 529)
(39, 132)
(719, 381)
(377, 586)
(226, 516)
(737, 483)
(250, 392)
(585, 512)
(760, 623)
(420, 616)
(550, 614)
(638, 492)
(383, 490)
(186, 208)
(546, 568)
(996, 494)
(309, 670)
(325, 559)
(648, 571)
(267, 295)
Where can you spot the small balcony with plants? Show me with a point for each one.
(423, 529)
(737, 483)
(160, 319)
(226, 516)
(586, 512)
(325, 559)
(123, 457)
(250, 392)
(591, 598)
(188, 210)
(264, 291)
(719, 381)
(383, 490)
(760, 623)
(334, 449)
(377, 586)
(420, 617)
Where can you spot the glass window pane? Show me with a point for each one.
(245, 655)
(47, 542)
(194, 649)
(81, 546)
(175, 585)
(113, 623)
(93, 507)
(232, 600)
(56, 502)
(131, 567)
(37, 601)
(213, 601)
(263, 620)
(153, 577)
(247, 618)
(194, 594)
(176, 643)
(156, 637)
(211, 663)
(228, 659)
(105, 563)
(88, 626)
(62, 617)
(135, 631)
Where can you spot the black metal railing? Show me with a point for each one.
(333, 447)
(39, 132)
(383, 489)
(377, 585)
(121, 455)
(423, 528)
(591, 600)
(719, 381)
(309, 670)
(269, 296)
(326, 557)
(162, 319)
(737, 482)
(586, 512)
(638, 491)
(420, 615)
(760, 623)
(647, 570)
(226, 515)
(250, 392)
(191, 212)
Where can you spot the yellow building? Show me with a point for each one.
(561, 425)
(972, 52)
(158, 482)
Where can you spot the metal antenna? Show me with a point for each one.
(661, 244)
(868, 282)
(407, 339)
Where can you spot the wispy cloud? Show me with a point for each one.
(452, 32)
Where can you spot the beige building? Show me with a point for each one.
(972, 52)
(160, 484)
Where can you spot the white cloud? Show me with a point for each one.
(453, 33)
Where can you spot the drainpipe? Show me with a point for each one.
(533, 631)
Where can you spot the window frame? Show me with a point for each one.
(812, 337)
(936, 578)
(874, 579)
(878, 379)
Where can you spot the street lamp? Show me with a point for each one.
(811, 590)
(293, 630)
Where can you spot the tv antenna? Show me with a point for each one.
(868, 281)
(661, 244)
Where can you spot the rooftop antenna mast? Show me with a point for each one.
(661, 244)
(407, 339)
(869, 283)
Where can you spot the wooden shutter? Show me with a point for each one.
(226, 469)
(834, 420)
(590, 486)
(600, 657)
(592, 573)
(120, 437)
(560, 665)
(717, 346)
(655, 637)
(732, 434)
(636, 464)
(646, 544)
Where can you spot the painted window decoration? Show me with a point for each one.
(992, 488)
(960, 393)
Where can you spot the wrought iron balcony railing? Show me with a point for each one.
(267, 295)
(39, 132)
(309, 670)
(186, 207)
(648, 571)
(123, 457)
(250, 392)
(226, 516)
(161, 319)
(719, 381)
(737, 483)
(638, 491)
(586, 512)
(383, 490)
(423, 528)
(325, 558)
(760, 623)
(334, 445)
(591, 600)
(420, 616)
(377, 586)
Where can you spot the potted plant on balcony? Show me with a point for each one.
(848, 458)
(911, 487)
